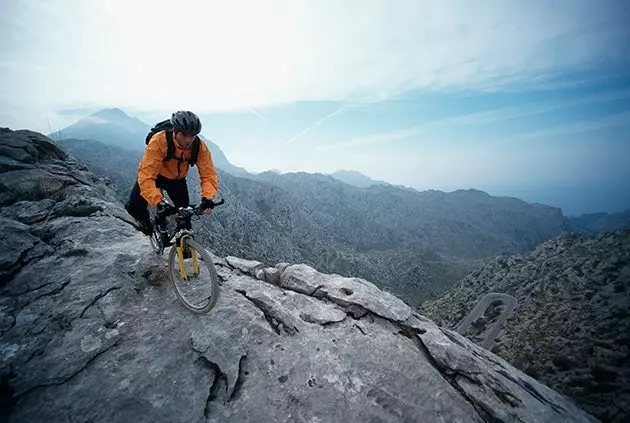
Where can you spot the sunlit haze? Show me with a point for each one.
(522, 98)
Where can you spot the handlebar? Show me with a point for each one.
(188, 212)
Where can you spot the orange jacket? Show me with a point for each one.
(152, 164)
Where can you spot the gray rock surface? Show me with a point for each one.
(89, 334)
(248, 267)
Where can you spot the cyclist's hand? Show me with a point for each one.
(207, 205)
(165, 207)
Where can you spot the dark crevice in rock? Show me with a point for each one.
(483, 410)
(18, 294)
(487, 357)
(19, 147)
(75, 252)
(21, 263)
(7, 401)
(532, 391)
(347, 291)
(424, 351)
(447, 374)
(239, 379)
(275, 321)
(61, 321)
(61, 381)
(453, 339)
(218, 387)
(9, 274)
(48, 294)
(97, 298)
(38, 352)
(333, 324)
(10, 326)
(356, 311)
(315, 291)
(507, 398)
(360, 329)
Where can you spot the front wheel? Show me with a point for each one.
(194, 278)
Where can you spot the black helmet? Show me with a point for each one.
(186, 121)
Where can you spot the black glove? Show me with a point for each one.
(165, 207)
(206, 203)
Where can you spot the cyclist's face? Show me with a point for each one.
(184, 140)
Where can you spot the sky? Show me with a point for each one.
(525, 99)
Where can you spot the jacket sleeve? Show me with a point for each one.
(149, 168)
(207, 172)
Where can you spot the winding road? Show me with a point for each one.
(509, 303)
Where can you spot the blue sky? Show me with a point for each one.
(527, 99)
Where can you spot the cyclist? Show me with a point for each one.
(159, 171)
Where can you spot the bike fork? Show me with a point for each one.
(180, 259)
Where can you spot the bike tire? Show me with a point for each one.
(173, 269)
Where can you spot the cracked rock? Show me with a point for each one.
(248, 267)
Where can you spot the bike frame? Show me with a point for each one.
(183, 217)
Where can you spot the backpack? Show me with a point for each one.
(165, 125)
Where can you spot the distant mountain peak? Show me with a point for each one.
(114, 112)
(348, 172)
(116, 116)
(355, 178)
(472, 191)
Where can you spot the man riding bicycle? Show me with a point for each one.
(165, 164)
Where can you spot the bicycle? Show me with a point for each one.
(190, 279)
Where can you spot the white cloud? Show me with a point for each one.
(217, 55)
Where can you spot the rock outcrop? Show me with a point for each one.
(571, 327)
(91, 331)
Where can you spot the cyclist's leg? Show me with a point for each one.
(136, 206)
(161, 183)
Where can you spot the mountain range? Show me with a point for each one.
(571, 325)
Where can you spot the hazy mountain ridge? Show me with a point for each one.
(571, 327)
(114, 127)
(355, 178)
(601, 222)
(470, 224)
